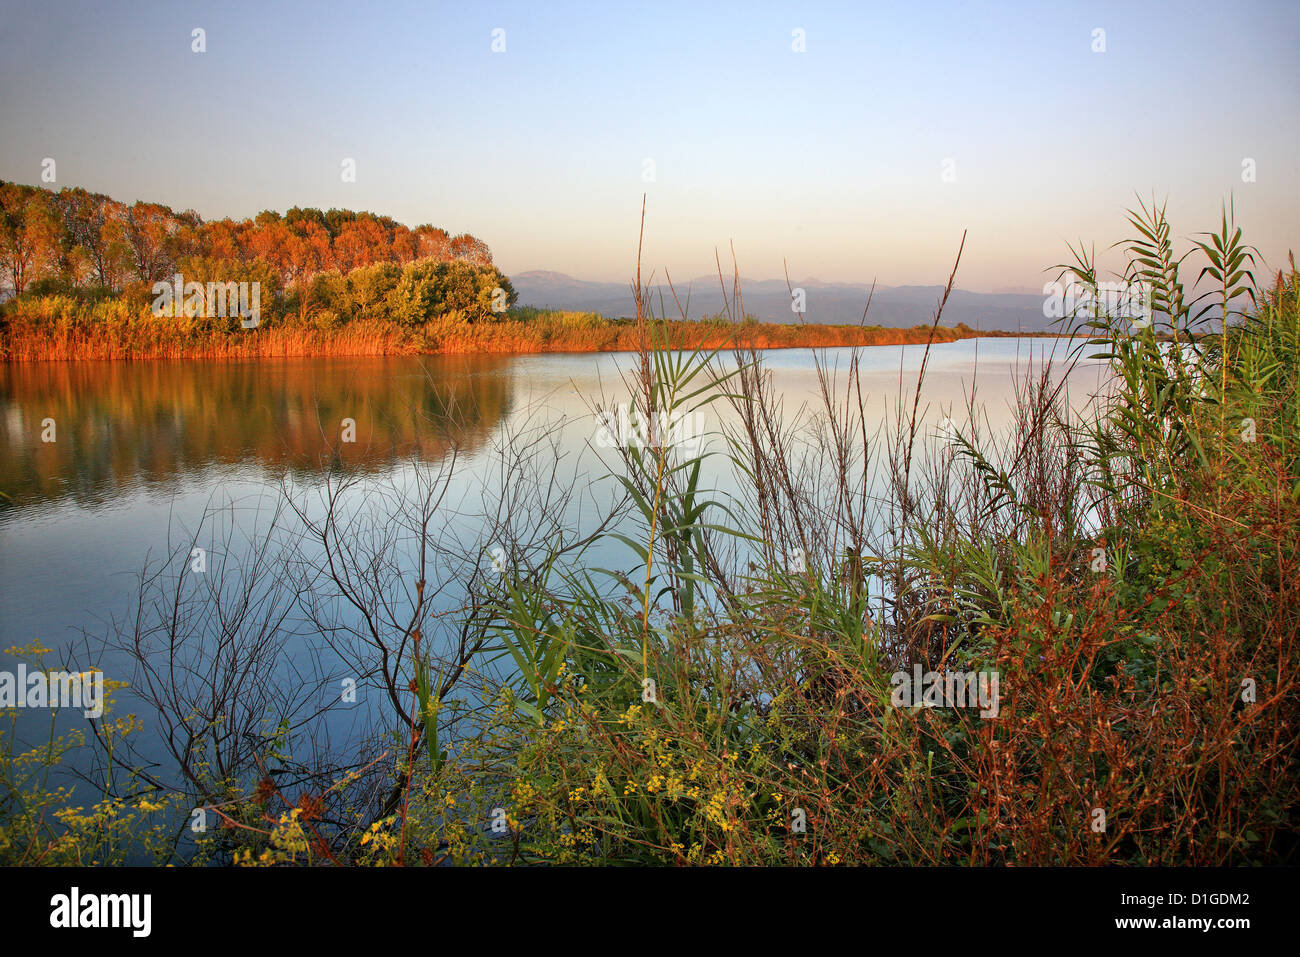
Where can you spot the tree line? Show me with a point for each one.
(77, 241)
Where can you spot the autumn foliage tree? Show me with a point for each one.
(78, 240)
(28, 234)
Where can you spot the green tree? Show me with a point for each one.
(429, 290)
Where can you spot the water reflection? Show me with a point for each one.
(120, 426)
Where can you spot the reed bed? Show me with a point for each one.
(59, 328)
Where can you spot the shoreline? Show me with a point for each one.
(518, 339)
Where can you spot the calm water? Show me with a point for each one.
(142, 449)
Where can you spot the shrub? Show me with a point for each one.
(429, 289)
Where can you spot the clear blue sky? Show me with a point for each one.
(830, 159)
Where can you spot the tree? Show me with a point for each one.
(225, 239)
(149, 229)
(274, 242)
(470, 249)
(114, 260)
(370, 287)
(315, 254)
(432, 243)
(29, 234)
(360, 243)
(82, 238)
(405, 244)
(428, 290)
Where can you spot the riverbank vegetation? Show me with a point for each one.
(65, 328)
(727, 691)
(81, 271)
(92, 245)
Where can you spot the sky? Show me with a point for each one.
(863, 156)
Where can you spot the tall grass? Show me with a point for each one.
(726, 693)
(1130, 575)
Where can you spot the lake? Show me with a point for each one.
(151, 460)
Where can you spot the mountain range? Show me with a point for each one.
(769, 300)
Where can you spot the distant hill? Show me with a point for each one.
(769, 301)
